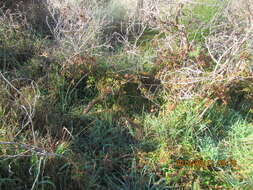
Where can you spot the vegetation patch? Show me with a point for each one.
(126, 95)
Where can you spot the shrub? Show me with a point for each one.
(17, 43)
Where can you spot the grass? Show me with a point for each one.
(134, 135)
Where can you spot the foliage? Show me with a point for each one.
(75, 115)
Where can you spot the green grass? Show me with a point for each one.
(126, 141)
(197, 18)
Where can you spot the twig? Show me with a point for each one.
(31, 108)
(29, 148)
(38, 174)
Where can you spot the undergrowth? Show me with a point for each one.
(167, 106)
